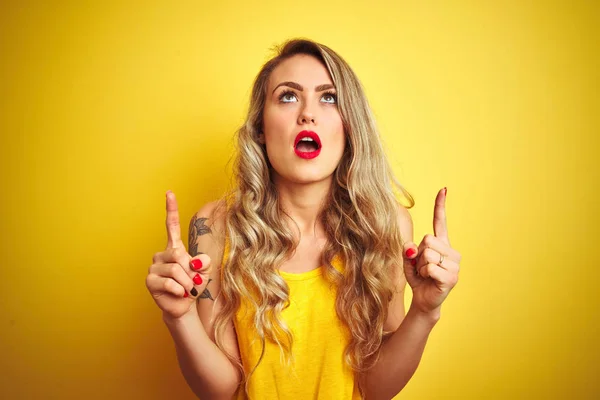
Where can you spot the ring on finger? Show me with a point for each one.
(441, 260)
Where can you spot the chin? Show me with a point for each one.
(309, 180)
(304, 178)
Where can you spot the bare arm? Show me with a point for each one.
(207, 370)
(401, 353)
(400, 357)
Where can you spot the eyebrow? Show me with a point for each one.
(299, 87)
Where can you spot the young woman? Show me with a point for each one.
(293, 286)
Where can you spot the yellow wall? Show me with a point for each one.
(105, 107)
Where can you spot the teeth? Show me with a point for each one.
(306, 139)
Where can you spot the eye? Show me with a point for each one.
(329, 97)
(288, 97)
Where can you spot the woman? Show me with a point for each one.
(298, 289)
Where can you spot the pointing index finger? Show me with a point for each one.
(440, 229)
(172, 222)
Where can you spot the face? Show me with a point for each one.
(302, 126)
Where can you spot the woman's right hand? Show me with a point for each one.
(175, 279)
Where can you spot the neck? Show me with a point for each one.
(303, 203)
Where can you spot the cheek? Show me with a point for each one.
(274, 126)
(334, 119)
(276, 123)
(337, 127)
(276, 118)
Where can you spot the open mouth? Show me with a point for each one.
(307, 145)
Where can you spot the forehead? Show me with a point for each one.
(301, 68)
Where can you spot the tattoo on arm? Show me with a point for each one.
(197, 228)
(206, 294)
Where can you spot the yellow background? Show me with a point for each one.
(106, 106)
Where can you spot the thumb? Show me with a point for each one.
(200, 274)
(200, 263)
(410, 250)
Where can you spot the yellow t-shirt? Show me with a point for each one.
(319, 340)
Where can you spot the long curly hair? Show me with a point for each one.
(359, 217)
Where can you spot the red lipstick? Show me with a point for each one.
(316, 141)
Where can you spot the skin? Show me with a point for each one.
(302, 186)
(431, 281)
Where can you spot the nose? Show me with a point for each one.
(307, 115)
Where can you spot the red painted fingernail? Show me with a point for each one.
(410, 252)
(198, 279)
(413, 262)
(195, 264)
(445, 191)
(185, 294)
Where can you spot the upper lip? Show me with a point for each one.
(310, 134)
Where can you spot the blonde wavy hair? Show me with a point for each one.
(359, 217)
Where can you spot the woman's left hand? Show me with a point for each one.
(431, 269)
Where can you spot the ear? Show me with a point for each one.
(261, 138)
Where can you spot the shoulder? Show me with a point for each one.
(207, 230)
(211, 214)
(405, 223)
